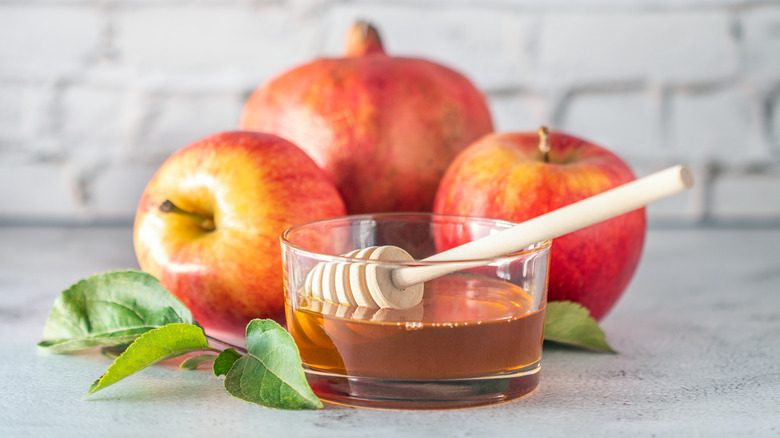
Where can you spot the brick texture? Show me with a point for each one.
(115, 191)
(644, 46)
(626, 122)
(11, 114)
(95, 95)
(761, 28)
(210, 39)
(43, 36)
(519, 112)
(42, 190)
(721, 125)
(745, 196)
(175, 120)
(774, 125)
(455, 37)
(91, 119)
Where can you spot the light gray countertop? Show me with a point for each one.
(697, 333)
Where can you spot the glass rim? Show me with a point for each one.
(285, 240)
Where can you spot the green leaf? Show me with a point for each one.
(270, 374)
(114, 351)
(110, 309)
(153, 346)
(225, 361)
(569, 323)
(195, 361)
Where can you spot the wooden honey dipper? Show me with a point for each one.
(382, 285)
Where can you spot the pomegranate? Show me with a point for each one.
(384, 128)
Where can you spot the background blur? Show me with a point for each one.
(94, 95)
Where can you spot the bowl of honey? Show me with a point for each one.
(470, 336)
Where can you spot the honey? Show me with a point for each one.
(467, 327)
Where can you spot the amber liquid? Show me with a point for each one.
(466, 327)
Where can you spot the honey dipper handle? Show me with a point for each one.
(605, 205)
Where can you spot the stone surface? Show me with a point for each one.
(697, 357)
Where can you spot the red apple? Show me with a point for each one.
(509, 176)
(209, 221)
(385, 128)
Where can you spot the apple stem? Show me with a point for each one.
(544, 143)
(205, 223)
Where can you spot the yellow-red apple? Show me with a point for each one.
(209, 221)
(518, 176)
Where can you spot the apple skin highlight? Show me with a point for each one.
(505, 176)
(252, 186)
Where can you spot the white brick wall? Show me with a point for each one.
(734, 196)
(722, 125)
(42, 190)
(211, 38)
(629, 122)
(95, 95)
(491, 44)
(774, 122)
(650, 46)
(174, 120)
(110, 189)
(760, 27)
(519, 111)
(46, 35)
(12, 116)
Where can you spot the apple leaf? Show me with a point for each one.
(569, 323)
(224, 362)
(270, 374)
(194, 362)
(158, 344)
(113, 351)
(110, 309)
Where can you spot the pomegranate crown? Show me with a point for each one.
(363, 39)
